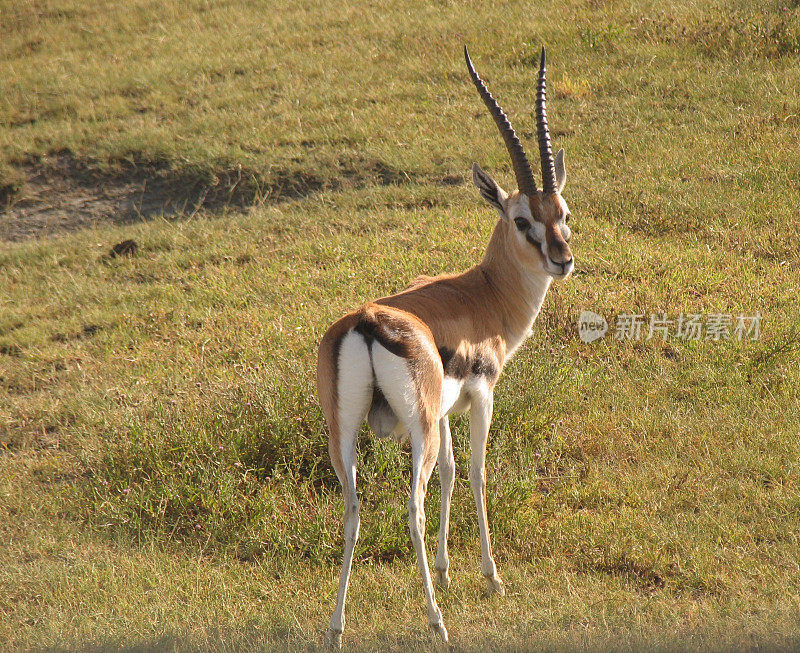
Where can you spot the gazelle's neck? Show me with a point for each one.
(520, 291)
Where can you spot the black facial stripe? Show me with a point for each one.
(532, 240)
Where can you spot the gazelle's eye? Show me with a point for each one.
(522, 224)
(567, 217)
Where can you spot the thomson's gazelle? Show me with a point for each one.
(407, 361)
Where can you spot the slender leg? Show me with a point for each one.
(355, 394)
(352, 523)
(447, 474)
(400, 384)
(423, 463)
(480, 416)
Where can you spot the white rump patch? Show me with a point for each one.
(397, 385)
(354, 386)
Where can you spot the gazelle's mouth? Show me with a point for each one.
(559, 270)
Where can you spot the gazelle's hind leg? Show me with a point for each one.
(422, 467)
(413, 390)
(355, 394)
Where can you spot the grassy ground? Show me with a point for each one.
(164, 479)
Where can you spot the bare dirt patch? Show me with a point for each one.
(64, 193)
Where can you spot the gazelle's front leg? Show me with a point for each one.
(447, 475)
(480, 416)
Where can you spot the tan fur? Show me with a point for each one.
(477, 311)
(473, 313)
(423, 356)
(424, 361)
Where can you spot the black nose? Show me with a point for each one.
(564, 265)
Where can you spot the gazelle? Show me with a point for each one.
(407, 361)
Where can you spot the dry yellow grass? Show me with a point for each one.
(164, 480)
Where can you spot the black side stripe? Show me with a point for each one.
(483, 366)
(455, 365)
(458, 367)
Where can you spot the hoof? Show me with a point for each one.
(440, 633)
(333, 640)
(442, 579)
(495, 586)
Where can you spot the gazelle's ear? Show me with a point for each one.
(490, 190)
(561, 171)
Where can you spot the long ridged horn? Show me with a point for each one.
(545, 151)
(522, 169)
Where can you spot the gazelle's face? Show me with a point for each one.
(536, 220)
(547, 232)
(536, 228)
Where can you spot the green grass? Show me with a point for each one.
(164, 479)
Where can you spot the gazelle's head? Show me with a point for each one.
(536, 220)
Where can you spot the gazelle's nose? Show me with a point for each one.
(561, 269)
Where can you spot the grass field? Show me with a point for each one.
(164, 479)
